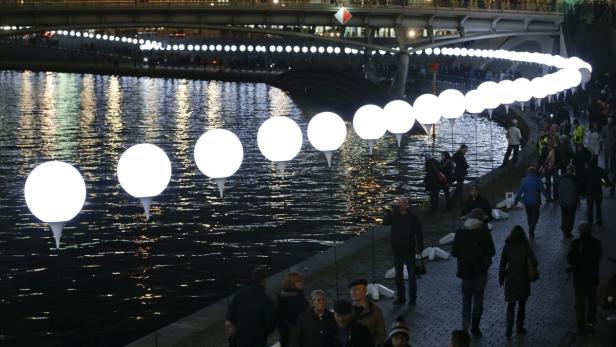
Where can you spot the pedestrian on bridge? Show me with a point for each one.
(459, 172)
(529, 192)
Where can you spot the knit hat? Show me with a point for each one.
(477, 213)
(399, 327)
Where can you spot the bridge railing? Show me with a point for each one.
(541, 6)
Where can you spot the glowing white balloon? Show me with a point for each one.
(144, 171)
(280, 140)
(427, 111)
(399, 118)
(326, 132)
(55, 193)
(474, 102)
(491, 94)
(539, 89)
(523, 91)
(507, 93)
(219, 154)
(369, 124)
(452, 104)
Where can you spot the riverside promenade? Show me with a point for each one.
(550, 309)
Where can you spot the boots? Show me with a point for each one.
(519, 325)
(509, 323)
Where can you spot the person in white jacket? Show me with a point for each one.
(594, 140)
(514, 136)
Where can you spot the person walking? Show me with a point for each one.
(578, 132)
(514, 137)
(584, 256)
(251, 316)
(434, 181)
(315, 324)
(366, 313)
(594, 178)
(473, 247)
(568, 199)
(399, 334)
(516, 258)
(594, 140)
(406, 241)
(446, 168)
(290, 303)
(459, 173)
(529, 192)
(608, 137)
(347, 332)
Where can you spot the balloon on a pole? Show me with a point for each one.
(326, 132)
(369, 124)
(427, 111)
(452, 104)
(55, 193)
(279, 139)
(507, 93)
(144, 171)
(523, 91)
(399, 118)
(218, 155)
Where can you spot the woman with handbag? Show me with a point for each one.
(518, 267)
(434, 181)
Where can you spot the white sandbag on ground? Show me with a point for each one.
(391, 273)
(499, 215)
(447, 239)
(439, 253)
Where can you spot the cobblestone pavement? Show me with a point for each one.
(550, 314)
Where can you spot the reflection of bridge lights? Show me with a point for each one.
(242, 48)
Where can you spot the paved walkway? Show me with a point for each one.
(550, 314)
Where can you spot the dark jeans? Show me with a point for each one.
(551, 181)
(585, 306)
(472, 294)
(593, 203)
(399, 262)
(515, 149)
(532, 215)
(521, 314)
(434, 199)
(447, 197)
(457, 193)
(567, 218)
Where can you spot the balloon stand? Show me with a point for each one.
(146, 203)
(56, 229)
(328, 156)
(220, 182)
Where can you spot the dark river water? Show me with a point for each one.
(116, 277)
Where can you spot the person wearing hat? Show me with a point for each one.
(584, 257)
(514, 136)
(406, 240)
(459, 173)
(315, 324)
(473, 247)
(398, 335)
(367, 313)
(347, 332)
(251, 317)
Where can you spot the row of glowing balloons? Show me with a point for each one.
(55, 191)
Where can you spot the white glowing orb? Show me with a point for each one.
(399, 117)
(368, 122)
(427, 109)
(326, 131)
(55, 192)
(522, 90)
(506, 92)
(279, 139)
(218, 153)
(491, 94)
(144, 170)
(452, 103)
(474, 102)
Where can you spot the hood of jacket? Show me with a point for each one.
(473, 224)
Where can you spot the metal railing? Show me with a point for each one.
(541, 6)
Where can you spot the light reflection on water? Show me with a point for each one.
(137, 276)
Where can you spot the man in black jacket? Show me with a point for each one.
(251, 317)
(459, 172)
(476, 200)
(406, 240)
(584, 256)
(316, 324)
(347, 332)
(594, 177)
(474, 249)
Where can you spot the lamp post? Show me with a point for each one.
(144, 171)
(218, 155)
(55, 193)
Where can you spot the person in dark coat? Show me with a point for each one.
(251, 316)
(347, 332)
(315, 324)
(406, 240)
(594, 178)
(459, 173)
(446, 167)
(580, 160)
(367, 313)
(584, 256)
(529, 192)
(513, 274)
(289, 304)
(568, 199)
(474, 249)
(433, 183)
(476, 200)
